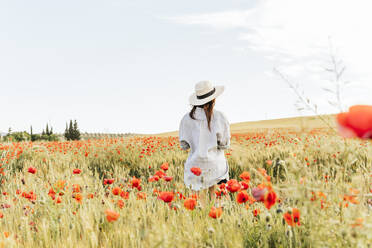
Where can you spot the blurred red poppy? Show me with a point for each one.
(270, 199)
(215, 212)
(135, 182)
(256, 212)
(166, 196)
(108, 181)
(292, 218)
(31, 170)
(116, 191)
(189, 203)
(168, 178)
(245, 176)
(357, 122)
(233, 185)
(111, 215)
(196, 171)
(165, 166)
(153, 178)
(160, 174)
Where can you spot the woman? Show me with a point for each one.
(207, 133)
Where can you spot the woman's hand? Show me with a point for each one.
(220, 144)
(184, 145)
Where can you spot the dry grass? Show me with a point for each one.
(304, 164)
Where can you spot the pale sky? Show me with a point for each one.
(129, 66)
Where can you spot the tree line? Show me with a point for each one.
(72, 132)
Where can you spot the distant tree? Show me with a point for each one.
(72, 131)
(67, 134)
(17, 136)
(33, 136)
(76, 131)
(47, 129)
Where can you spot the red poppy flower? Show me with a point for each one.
(135, 182)
(233, 185)
(116, 191)
(108, 181)
(78, 197)
(189, 203)
(153, 178)
(120, 203)
(165, 166)
(270, 199)
(76, 171)
(222, 186)
(75, 188)
(357, 122)
(141, 195)
(111, 215)
(196, 171)
(242, 197)
(168, 178)
(124, 194)
(292, 218)
(215, 212)
(256, 212)
(160, 174)
(245, 176)
(31, 170)
(244, 184)
(166, 196)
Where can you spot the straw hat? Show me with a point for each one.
(205, 92)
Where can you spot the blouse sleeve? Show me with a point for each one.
(183, 136)
(223, 137)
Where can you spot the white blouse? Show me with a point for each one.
(206, 148)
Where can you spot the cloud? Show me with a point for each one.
(219, 20)
(296, 35)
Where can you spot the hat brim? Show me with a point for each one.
(193, 100)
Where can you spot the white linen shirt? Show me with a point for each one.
(206, 148)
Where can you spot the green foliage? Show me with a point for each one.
(18, 136)
(25, 136)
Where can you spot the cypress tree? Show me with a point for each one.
(67, 135)
(32, 134)
(47, 130)
(71, 131)
(76, 131)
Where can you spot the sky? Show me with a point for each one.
(119, 66)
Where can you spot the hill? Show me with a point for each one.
(297, 123)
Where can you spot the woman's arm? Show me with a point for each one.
(223, 138)
(183, 135)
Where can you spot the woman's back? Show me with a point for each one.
(206, 146)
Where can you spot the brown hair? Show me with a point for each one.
(208, 109)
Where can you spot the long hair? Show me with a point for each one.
(208, 109)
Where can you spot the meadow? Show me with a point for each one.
(129, 192)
